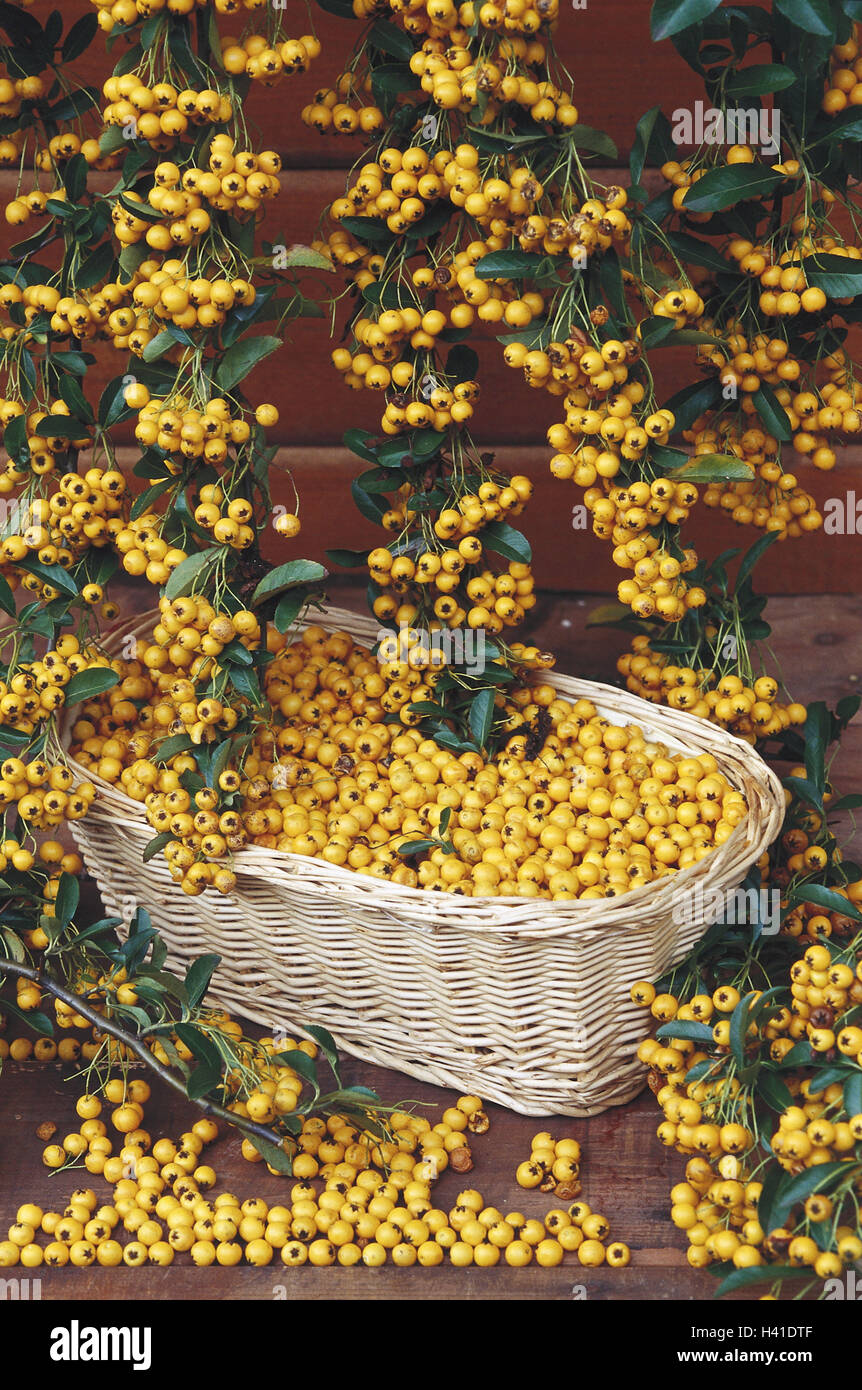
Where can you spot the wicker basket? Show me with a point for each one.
(524, 1002)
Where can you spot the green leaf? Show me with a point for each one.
(235, 654)
(240, 359)
(246, 683)
(158, 346)
(826, 898)
(738, 1024)
(691, 248)
(757, 1274)
(12, 944)
(853, 1093)
(388, 39)
(411, 847)
(288, 577)
(773, 1090)
(714, 468)
(847, 125)
(79, 37)
(71, 393)
(368, 229)
(7, 603)
(51, 574)
(817, 736)
(814, 16)
(462, 363)
(804, 790)
(772, 412)
(182, 579)
(759, 79)
(357, 441)
(653, 331)
(800, 1055)
(200, 1045)
(752, 555)
(584, 137)
(60, 427)
(145, 499)
(837, 276)
(730, 184)
(504, 540)
(75, 178)
(288, 610)
(181, 52)
(299, 257)
(156, 844)
(687, 404)
(391, 79)
(685, 1028)
(87, 684)
(326, 1042)
(508, 265)
(652, 129)
(609, 613)
(831, 1076)
(671, 16)
(15, 439)
(35, 1019)
(482, 715)
(271, 1153)
(793, 1191)
(348, 559)
(112, 405)
(301, 1063)
(198, 977)
(536, 336)
(203, 1080)
(370, 507)
(67, 899)
(96, 267)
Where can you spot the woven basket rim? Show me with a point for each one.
(309, 875)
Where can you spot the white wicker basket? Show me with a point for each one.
(524, 1002)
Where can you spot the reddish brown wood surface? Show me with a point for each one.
(626, 1173)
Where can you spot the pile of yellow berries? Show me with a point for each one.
(590, 810)
(355, 1198)
(554, 1166)
(751, 711)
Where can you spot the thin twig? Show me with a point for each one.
(140, 1050)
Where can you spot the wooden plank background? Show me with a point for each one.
(618, 74)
